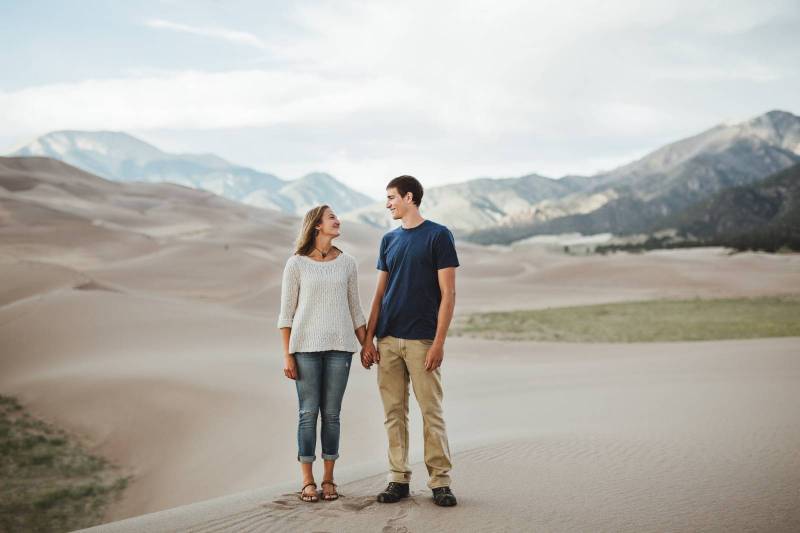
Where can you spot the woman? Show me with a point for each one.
(321, 325)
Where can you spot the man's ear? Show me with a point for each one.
(409, 197)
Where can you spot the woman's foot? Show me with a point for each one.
(309, 492)
(329, 492)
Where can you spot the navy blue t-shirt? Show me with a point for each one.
(412, 257)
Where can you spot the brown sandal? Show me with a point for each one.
(332, 496)
(308, 497)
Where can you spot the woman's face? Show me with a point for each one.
(329, 225)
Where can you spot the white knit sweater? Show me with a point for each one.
(320, 302)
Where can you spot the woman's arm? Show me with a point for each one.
(361, 334)
(289, 363)
(290, 290)
(354, 300)
(286, 334)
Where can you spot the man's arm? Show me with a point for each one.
(369, 354)
(447, 286)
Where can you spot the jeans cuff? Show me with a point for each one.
(306, 458)
(329, 457)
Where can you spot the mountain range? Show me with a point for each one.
(121, 157)
(637, 198)
(764, 215)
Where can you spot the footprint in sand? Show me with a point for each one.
(394, 529)
(282, 504)
(390, 527)
(359, 504)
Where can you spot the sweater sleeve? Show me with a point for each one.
(353, 298)
(290, 291)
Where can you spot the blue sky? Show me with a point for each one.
(444, 90)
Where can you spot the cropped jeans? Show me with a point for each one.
(321, 381)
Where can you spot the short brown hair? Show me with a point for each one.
(407, 184)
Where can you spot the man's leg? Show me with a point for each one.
(428, 391)
(393, 385)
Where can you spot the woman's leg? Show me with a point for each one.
(309, 388)
(309, 490)
(336, 370)
(327, 489)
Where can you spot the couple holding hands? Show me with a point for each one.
(322, 325)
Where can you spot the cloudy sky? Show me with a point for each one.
(447, 91)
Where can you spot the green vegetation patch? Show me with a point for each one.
(48, 482)
(649, 321)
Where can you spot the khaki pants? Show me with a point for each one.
(401, 359)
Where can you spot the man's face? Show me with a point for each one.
(397, 205)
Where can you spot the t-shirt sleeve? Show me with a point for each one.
(444, 250)
(382, 256)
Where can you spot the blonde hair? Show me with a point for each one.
(305, 241)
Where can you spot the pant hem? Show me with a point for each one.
(327, 457)
(306, 458)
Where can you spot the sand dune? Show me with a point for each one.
(558, 437)
(141, 317)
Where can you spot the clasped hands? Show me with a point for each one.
(370, 355)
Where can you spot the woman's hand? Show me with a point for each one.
(369, 355)
(289, 366)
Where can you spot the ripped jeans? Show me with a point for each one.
(321, 380)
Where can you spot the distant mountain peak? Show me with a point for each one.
(776, 127)
(318, 188)
(100, 136)
(322, 178)
(114, 144)
(776, 116)
(119, 156)
(780, 114)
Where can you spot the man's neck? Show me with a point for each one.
(412, 220)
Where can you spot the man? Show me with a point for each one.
(410, 315)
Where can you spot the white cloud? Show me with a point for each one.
(233, 36)
(452, 89)
(195, 100)
(714, 73)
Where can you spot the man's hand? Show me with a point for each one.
(289, 366)
(434, 358)
(369, 355)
